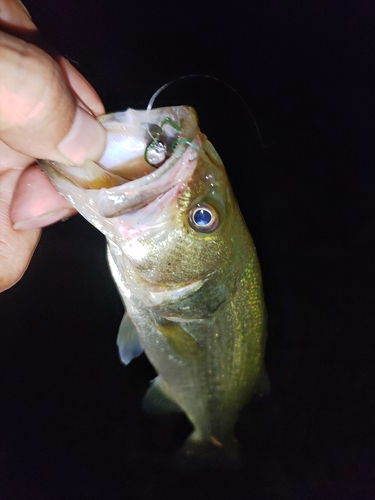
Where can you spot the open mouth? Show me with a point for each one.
(147, 154)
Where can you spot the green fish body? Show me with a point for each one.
(185, 265)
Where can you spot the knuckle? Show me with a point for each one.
(32, 85)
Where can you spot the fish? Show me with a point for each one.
(185, 265)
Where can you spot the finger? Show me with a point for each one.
(36, 203)
(10, 159)
(39, 116)
(13, 243)
(82, 88)
(14, 14)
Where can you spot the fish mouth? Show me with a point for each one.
(130, 196)
(124, 179)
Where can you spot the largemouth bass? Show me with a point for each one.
(185, 266)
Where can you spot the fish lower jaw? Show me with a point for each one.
(144, 221)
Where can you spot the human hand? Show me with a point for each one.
(41, 116)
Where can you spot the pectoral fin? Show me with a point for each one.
(128, 340)
(182, 343)
(157, 401)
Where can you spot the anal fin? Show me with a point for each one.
(157, 401)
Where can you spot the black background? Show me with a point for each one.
(71, 423)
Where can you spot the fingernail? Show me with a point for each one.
(85, 140)
(43, 220)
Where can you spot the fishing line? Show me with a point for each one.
(199, 75)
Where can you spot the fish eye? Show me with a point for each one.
(203, 218)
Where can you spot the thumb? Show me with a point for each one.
(39, 116)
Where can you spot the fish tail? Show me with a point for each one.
(210, 452)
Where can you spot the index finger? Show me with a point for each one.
(15, 18)
(13, 14)
(39, 115)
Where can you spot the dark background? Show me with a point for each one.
(71, 422)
